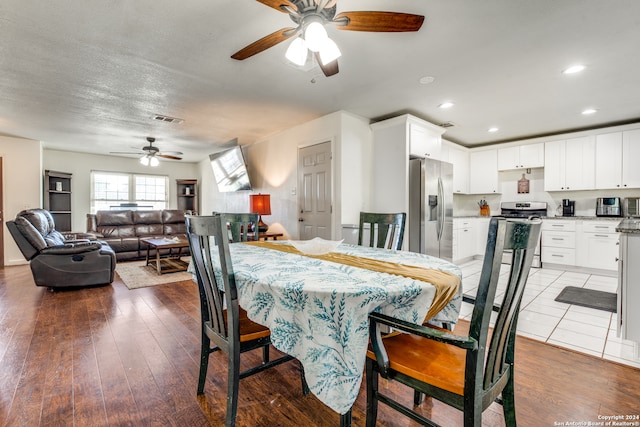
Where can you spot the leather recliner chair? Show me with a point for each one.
(55, 261)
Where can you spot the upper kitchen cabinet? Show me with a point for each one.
(394, 142)
(615, 153)
(424, 139)
(459, 157)
(483, 172)
(570, 164)
(521, 157)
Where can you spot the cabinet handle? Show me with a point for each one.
(557, 225)
(601, 226)
(557, 238)
(601, 235)
(557, 256)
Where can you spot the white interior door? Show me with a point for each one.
(314, 183)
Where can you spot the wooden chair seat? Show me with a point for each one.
(428, 361)
(250, 330)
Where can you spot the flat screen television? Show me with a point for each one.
(230, 170)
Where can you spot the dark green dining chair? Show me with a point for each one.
(467, 372)
(240, 226)
(223, 322)
(386, 230)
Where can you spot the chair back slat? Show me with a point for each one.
(209, 244)
(386, 230)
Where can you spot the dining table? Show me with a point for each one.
(317, 305)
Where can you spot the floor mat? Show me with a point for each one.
(600, 300)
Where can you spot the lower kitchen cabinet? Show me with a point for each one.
(559, 242)
(464, 241)
(598, 245)
(589, 243)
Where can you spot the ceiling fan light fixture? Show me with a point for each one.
(315, 36)
(329, 52)
(144, 160)
(297, 51)
(153, 161)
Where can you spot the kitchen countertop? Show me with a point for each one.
(586, 217)
(629, 225)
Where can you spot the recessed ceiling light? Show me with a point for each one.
(492, 129)
(426, 80)
(589, 111)
(574, 69)
(446, 104)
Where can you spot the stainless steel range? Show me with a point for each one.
(523, 210)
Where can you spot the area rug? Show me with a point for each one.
(600, 300)
(136, 275)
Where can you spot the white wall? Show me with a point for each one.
(272, 166)
(21, 186)
(80, 166)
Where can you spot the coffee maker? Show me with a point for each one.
(568, 207)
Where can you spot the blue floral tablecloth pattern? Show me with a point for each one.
(318, 311)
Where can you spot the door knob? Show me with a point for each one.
(300, 219)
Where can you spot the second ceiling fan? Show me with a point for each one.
(311, 16)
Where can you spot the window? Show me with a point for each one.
(112, 190)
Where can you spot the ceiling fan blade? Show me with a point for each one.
(126, 152)
(168, 156)
(264, 43)
(277, 4)
(378, 21)
(330, 69)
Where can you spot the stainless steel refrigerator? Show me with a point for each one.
(430, 219)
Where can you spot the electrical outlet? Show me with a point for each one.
(293, 191)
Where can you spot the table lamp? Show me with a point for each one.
(261, 204)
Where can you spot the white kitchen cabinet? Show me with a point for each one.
(521, 157)
(559, 242)
(597, 245)
(391, 151)
(570, 164)
(580, 159)
(628, 288)
(609, 160)
(630, 156)
(483, 172)
(459, 157)
(464, 241)
(423, 142)
(616, 160)
(554, 165)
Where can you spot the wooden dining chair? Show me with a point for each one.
(223, 322)
(240, 226)
(465, 372)
(386, 230)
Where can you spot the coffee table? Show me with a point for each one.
(171, 262)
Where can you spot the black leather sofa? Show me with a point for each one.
(123, 229)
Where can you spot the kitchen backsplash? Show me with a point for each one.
(467, 205)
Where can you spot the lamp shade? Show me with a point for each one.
(260, 203)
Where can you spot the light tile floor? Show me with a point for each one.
(542, 318)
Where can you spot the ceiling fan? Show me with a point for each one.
(311, 16)
(150, 153)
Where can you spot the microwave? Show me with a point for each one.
(633, 206)
(608, 206)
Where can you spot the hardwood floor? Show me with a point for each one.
(110, 356)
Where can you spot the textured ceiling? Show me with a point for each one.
(89, 75)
